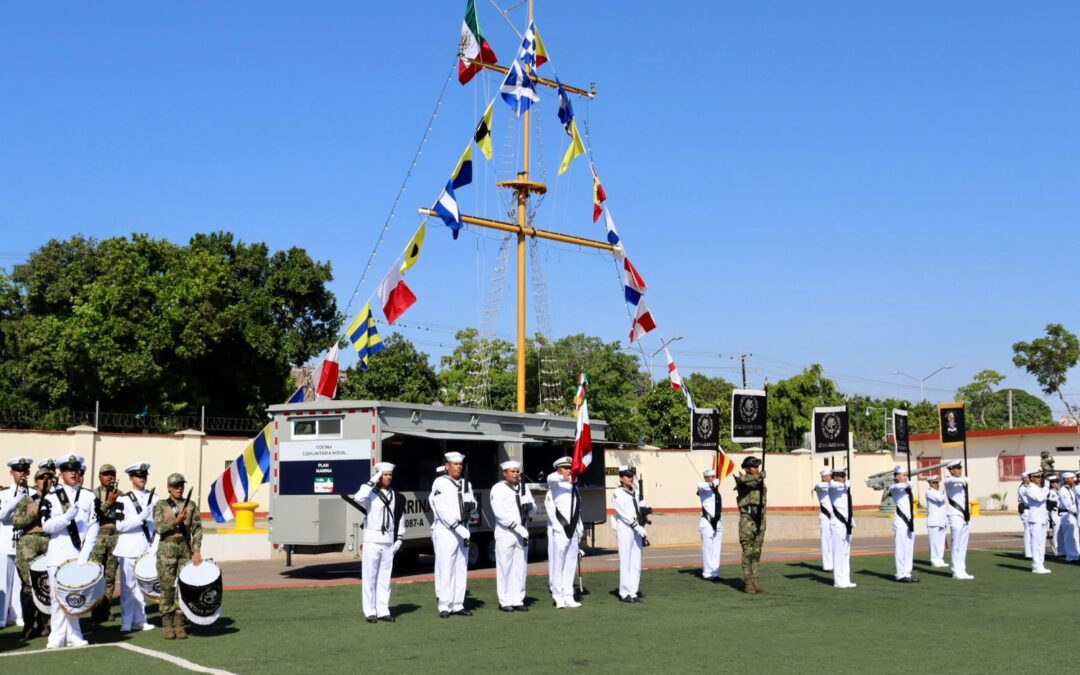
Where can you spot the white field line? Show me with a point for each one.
(175, 660)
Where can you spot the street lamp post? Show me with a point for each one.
(921, 381)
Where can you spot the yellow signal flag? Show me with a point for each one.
(576, 149)
(482, 136)
(412, 251)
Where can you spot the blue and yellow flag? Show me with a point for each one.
(365, 337)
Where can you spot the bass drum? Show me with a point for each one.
(146, 575)
(39, 582)
(198, 592)
(79, 586)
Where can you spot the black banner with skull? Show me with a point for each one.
(900, 431)
(830, 429)
(705, 432)
(749, 413)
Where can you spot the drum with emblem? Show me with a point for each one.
(79, 586)
(146, 575)
(39, 583)
(198, 592)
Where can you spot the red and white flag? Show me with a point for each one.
(673, 371)
(326, 377)
(582, 441)
(395, 295)
(643, 321)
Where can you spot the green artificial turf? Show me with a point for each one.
(1002, 621)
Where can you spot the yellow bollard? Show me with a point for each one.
(245, 516)
(974, 507)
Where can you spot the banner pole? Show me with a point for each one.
(765, 433)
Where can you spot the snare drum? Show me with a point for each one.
(198, 592)
(39, 583)
(79, 586)
(146, 575)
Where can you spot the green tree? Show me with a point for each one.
(462, 373)
(665, 417)
(397, 373)
(923, 418)
(1049, 359)
(142, 323)
(978, 395)
(791, 406)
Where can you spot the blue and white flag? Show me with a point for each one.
(613, 235)
(518, 90)
(447, 208)
(566, 111)
(299, 395)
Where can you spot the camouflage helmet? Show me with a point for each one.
(176, 479)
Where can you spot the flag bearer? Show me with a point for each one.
(842, 525)
(1067, 510)
(1021, 506)
(384, 532)
(903, 525)
(630, 533)
(564, 513)
(959, 514)
(69, 516)
(1035, 496)
(750, 490)
(136, 536)
(452, 504)
(936, 521)
(10, 583)
(711, 525)
(825, 518)
(511, 503)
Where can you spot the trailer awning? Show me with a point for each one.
(463, 436)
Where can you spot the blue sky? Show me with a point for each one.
(875, 186)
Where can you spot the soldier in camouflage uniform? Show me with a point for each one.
(105, 495)
(180, 528)
(750, 488)
(33, 542)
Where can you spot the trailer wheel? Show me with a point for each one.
(474, 553)
(489, 552)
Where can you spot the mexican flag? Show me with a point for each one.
(582, 441)
(473, 45)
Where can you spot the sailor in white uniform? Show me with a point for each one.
(1054, 483)
(1025, 480)
(825, 518)
(564, 513)
(958, 510)
(842, 525)
(903, 525)
(630, 534)
(1034, 496)
(384, 532)
(511, 504)
(1067, 510)
(135, 536)
(711, 525)
(69, 517)
(936, 521)
(10, 583)
(452, 505)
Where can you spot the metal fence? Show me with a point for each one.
(129, 422)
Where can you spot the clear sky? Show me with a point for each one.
(875, 186)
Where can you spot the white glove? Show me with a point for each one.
(643, 504)
(715, 482)
(397, 547)
(640, 531)
(375, 478)
(71, 514)
(522, 531)
(462, 532)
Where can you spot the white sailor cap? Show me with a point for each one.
(899, 470)
(826, 472)
(454, 457)
(21, 463)
(1053, 478)
(1025, 474)
(563, 461)
(840, 469)
(71, 462)
(440, 470)
(510, 464)
(384, 467)
(709, 473)
(1068, 474)
(138, 467)
(954, 463)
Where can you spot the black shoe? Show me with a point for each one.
(462, 612)
(503, 608)
(520, 608)
(628, 599)
(387, 619)
(912, 580)
(443, 615)
(370, 619)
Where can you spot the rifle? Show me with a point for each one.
(183, 525)
(643, 512)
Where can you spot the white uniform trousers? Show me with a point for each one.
(132, 602)
(630, 545)
(451, 569)
(64, 629)
(564, 564)
(826, 542)
(1055, 535)
(376, 566)
(510, 569)
(841, 555)
(1068, 537)
(1027, 537)
(10, 587)
(960, 532)
(551, 560)
(904, 542)
(1036, 534)
(710, 548)
(936, 535)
